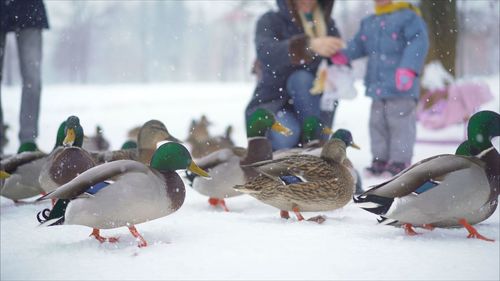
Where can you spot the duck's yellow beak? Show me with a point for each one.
(197, 170)
(327, 131)
(70, 137)
(353, 145)
(278, 127)
(4, 175)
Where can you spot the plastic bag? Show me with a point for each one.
(340, 82)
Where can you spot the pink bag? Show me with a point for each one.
(454, 105)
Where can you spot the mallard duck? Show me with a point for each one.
(124, 193)
(444, 190)
(224, 165)
(97, 142)
(23, 169)
(314, 148)
(150, 134)
(304, 183)
(67, 161)
(202, 143)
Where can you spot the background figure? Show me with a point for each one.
(290, 44)
(396, 43)
(26, 18)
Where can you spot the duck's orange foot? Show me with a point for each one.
(409, 230)
(428, 226)
(318, 219)
(213, 201)
(284, 214)
(298, 214)
(216, 201)
(135, 233)
(97, 235)
(472, 231)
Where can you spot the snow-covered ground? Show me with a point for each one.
(251, 241)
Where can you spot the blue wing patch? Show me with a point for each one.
(428, 185)
(291, 179)
(97, 187)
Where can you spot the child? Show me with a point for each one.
(395, 41)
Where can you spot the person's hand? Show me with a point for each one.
(404, 79)
(326, 46)
(339, 58)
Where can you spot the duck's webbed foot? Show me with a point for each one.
(409, 230)
(97, 235)
(472, 231)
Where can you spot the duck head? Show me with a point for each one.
(312, 128)
(152, 132)
(130, 144)
(482, 127)
(173, 156)
(261, 121)
(61, 134)
(73, 132)
(467, 149)
(345, 136)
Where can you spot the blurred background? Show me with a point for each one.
(109, 42)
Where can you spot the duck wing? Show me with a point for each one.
(293, 169)
(97, 174)
(416, 176)
(218, 157)
(109, 156)
(10, 164)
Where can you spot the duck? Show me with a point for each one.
(150, 134)
(200, 141)
(224, 165)
(446, 190)
(123, 193)
(67, 161)
(21, 173)
(304, 183)
(97, 142)
(314, 146)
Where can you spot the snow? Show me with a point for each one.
(251, 241)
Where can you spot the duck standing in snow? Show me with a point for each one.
(444, 190)
(224, 165)
(21, 173)
(150, 134)
(200, 141)
(67, 161)
(304, 183)
(123, 193)
(314, 148)
(97, 142)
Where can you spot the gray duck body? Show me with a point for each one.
(304, 182)
(462, 190)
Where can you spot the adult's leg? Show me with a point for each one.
(29, 44)
(402, 124)
(379, 131)
(298, 85)
(289, 120)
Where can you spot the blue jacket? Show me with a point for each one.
(393, 40)
(19, 14)
(281, 47)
